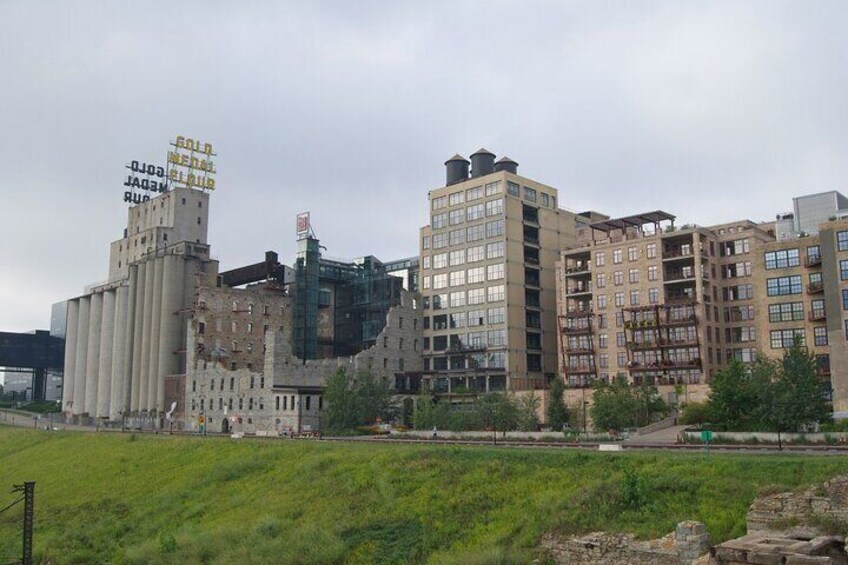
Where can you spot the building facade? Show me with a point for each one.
(487, 278)
(670, 306)
(126, 335)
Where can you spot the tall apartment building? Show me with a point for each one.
(671, 305)
(487, 278)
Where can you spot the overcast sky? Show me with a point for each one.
(713, 111)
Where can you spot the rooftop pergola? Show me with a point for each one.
(635, 221)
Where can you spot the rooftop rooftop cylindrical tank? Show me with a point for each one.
(457, 169)
(506, 164)
(482, 163)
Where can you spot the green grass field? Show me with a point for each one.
(113, 498)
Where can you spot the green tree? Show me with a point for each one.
(739, 395)
(498, 411)
(769, 395)
(340, 403)
(557, 412)
(797, 395)
(528, 412)
(619, 405)
(614, 406)
(358, 401)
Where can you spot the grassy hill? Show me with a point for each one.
(152, 499)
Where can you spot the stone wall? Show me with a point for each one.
(811, 511)
(285, 393)
(684, 546)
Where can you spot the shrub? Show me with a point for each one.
(694, 413)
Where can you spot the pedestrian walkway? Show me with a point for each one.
(668, 435)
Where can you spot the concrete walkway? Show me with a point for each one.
(668, 435)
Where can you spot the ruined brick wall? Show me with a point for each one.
(811, 510)
(235, 321)
(681, 547)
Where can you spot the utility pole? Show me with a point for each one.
(28, 488)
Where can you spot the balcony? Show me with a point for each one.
(577, 270)
(644, 345)
(679, 276)
(815, 288)
(577, 330)
(579, 289)
(582, 369)
(812, 260)
(583, 349)
(816, 315)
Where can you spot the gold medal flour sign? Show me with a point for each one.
(190, 164)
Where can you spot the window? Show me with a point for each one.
(529, 194)
(618, 278)
(600, 259)
(439, 202)
(476, 275)
(425, 242)
(476, 317)
(455, 198)
(845, 298)
(820, 336)
(495, 293)
(494, 207)
(457, 278)
(634, 275)
(652, 272)
(474, 233)
(457, 299)
(780, 339)
(602, 301)
(843, 269)
(620, 340)
(813, 253)
(632, 254)
(440, 281)
(634, 298)
(653, 295)
(546, 200)
(474, 212)
(497, 338)
(495, 272)
(782, 259)
(616, 256)
(495, 250)
(493, 188)
(651, 251)
(440, 240)
(842, 240)
(494, 229)
(476, 296)
(425, 262)
(456, 257)
(496, 315)
(456, 237)
(619, 299)
(781, 286)
(425, 282)
(738, 292)
(474, 193)
(785, 312)
(473, 254)
(439, 221)
(457, 320)
(512, 188)
(456, 216)
(601, 280)
(440, 261)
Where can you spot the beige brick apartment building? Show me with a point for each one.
(672, 305)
